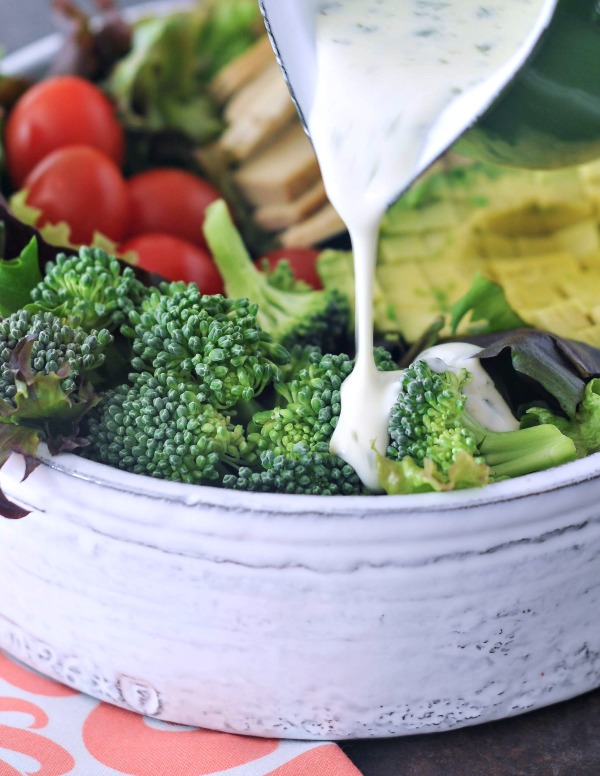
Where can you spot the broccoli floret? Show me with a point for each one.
(282, 276)
(431, 430)
(92, 290)
(428, 418)
(212, 341)
(44, 386)
(291, 315)
(293, 438)
(40, 344)
(304, 473)
(308, 407)
(300, 357)
(161, 427)
(384, 360)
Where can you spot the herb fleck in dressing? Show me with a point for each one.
(397, 83)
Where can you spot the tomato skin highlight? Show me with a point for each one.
(175, 259)
(171, 201)
(56, 112)
(303, 263)
(82, 186)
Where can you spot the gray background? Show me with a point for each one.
(22, 21)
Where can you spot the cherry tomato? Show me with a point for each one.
(171, 201)
(303, 263)
(83, 187)
(56, 112)
(175, 259)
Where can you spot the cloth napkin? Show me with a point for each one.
(47, 729)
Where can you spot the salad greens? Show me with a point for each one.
(192, 388)
(531, 366)
(488, 309)
(243, 391)
(18, 276)
(436, 443)
(163, 82)
(583, 428)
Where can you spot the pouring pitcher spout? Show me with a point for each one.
(290, 25)
(541, 109)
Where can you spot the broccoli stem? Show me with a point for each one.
(230, 253)
(292, 314)
(513, 453)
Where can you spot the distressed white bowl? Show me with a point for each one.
(305, 617)
(302, 617)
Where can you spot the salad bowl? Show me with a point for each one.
(302, 616)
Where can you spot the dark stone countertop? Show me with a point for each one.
(561, 740)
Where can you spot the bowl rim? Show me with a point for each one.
(527, 486)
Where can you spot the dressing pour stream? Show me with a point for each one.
(396, 82)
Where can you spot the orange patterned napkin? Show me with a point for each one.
(47, 729)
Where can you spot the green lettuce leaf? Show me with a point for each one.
(488, 307)
(583, 428)
(18, 233)
(231, 27)
(18, 276)
(58, 234)
(405, 477)
(163, 83)
(531, 367)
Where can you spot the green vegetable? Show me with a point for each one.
(163, 83)
(161, 427)
(303, 473)
(336, 271)
(37, 348)
(401, 478)
(212, 341)
(583, 428)
(17, 275)
(282, 276)
(489, 310)
(308, 407)
(92, 290)
(472, 182)
(301, 356)
(293, 438)
(291, 315)
(231, 27)
(45, 388)
(532, 367)
(431, 429)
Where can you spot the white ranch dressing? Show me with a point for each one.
(396, 79)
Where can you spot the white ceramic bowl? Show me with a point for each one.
(303, 617)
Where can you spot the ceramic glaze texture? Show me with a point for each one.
(305, 617)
